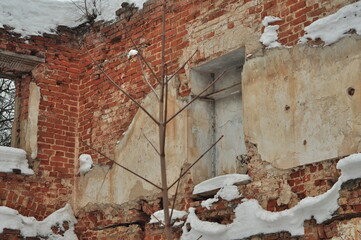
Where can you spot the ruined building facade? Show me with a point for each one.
(292, 114)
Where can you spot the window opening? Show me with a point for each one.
(223, 108)
(7, 110)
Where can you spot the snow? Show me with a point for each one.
(329, 29)
(35, 17)
(332, 28)
(270, 36)
(14, 158)
(219, 182)
(251, 218)
(227, 193)
(30, 227)
(132, 53)
(160, 215)
(270, 19)
(86, 163)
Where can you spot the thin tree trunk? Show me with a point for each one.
(162, 133)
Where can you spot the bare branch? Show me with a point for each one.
(221, 90)
(125, 168)
(155, 149)
(200, 157)
(154, 215)
(176, 194)
(170, 78)
(101, 186)
(7, 110)
(118, 87)
(158, 219)
(146, 79)
(78, 7)
(199, 237)
(140, 53)
(196, 97)
(166, 95)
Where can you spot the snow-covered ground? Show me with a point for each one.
(252, 219)
(30, 227)
(35, 17)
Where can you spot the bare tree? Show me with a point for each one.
(162, 120)
(91, 9)
(7, 109)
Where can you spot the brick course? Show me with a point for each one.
(79, 105)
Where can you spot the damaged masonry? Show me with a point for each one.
(157, 119)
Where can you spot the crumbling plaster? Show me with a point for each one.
(28, 126)
(31, 132)
(224, 40)
(136, 153)
(184, 146)
(297, 104)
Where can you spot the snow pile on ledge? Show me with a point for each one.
(14, 158)
(227, 190)
(30, 227)
(227, 193)
(219, 182)
(332, 28)
(86, 163)
(159, 215)
(35, 17)
(252, 219)
(270, 36)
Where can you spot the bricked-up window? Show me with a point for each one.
(220, 112)
(7, 110)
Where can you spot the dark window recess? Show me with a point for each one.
(7, 110)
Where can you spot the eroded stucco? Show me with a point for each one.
(298, 107)
(31, 131)
(136, 153)
(189, 135)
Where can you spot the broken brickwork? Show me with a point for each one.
(51, 185)
(79, 107)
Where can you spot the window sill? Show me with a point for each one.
(13, 160)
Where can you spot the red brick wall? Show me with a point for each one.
(58, 78)
(77, 101)
(101, 103)
(295, 15)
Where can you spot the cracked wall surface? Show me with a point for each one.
(298, 106)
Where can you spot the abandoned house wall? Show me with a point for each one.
(214, 29)
(79, 108)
